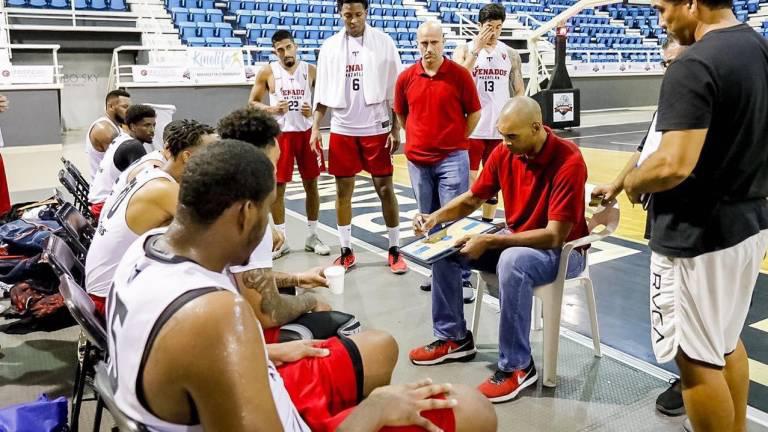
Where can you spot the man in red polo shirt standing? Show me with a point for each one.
(438, 100)
(541, 178)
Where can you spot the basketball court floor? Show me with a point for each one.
(613, 393)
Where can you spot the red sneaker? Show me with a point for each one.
(396, 262)
(504, 386)
(441, 351)
(347, 258)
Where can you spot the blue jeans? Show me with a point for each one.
(436, 185)
(519, 269)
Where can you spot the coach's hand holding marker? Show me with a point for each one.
(422, 224)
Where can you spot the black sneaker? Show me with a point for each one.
(671, 401)
(469, 292)
(426, 284)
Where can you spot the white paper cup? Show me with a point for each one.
(335, 277)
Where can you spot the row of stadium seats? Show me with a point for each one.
(245, 17)
(180, 15)
(111, 5)
(205, 30)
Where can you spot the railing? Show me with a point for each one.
(8, 49)
(124, 20)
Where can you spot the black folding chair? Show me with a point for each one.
(80, 197)
(82, 183)
(61, 258)
(103, 386)
(84, 312)
(78, 229)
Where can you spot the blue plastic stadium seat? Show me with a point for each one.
(287, 21)
(16, 3)
(196, 41)
(299, 34)
(117, 5)
(262, 6)
(244, 18)
(206, 29)
(233, 42)
(223, 30)
(98, 4)
(214, 15)
(196, 15)
(275, 6)
(81, 4)
(214, 42)
(59, 4)
(205, 4)
(188, 30)
(38, 3)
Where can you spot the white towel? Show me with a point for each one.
(381, 65)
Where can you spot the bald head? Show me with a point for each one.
(430, 28)
(520, 124)
(522, 108)
(430, 39)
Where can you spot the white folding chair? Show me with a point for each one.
(548, 299)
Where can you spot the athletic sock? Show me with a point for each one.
(345, 235)
(281, 228)
(312, 225)
(394, 236)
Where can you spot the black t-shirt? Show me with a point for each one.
(720, 83)
(128, 153)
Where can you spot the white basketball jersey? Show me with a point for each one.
(295, 89)
(492, 75)
(122, 179)
(113, 236)
(105, 177)
(149, 287)
(358, 118)
(95, 156)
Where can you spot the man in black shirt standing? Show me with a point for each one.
(709, 180)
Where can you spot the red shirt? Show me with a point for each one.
(436, 108)
(549, 186)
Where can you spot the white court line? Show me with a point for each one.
(625, 144)
(608, 134)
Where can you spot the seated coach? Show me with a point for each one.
(541, 178)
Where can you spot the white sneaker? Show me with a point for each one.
(314, 244)
(284, 250)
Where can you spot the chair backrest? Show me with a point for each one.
(62, 259)
(103, 386)
(79, 231)
(70, 184)
(83, 311)
(606, 216)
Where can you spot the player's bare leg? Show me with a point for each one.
(312, 206)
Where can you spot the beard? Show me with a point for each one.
(119, 119)
(289, 61)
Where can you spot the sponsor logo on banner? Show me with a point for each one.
(5, 74)
(563, 105)
(29, 74)
(216, 65)
(158, 74)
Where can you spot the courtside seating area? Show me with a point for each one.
(101, 5)
(251, 22)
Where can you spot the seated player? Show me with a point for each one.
(541, 178)
(171, 296)
(124, 150)
(256, 279)
(153, 159)
(147, 201)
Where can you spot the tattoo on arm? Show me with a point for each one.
(517, 72)
(281, 309)
(285, 280)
